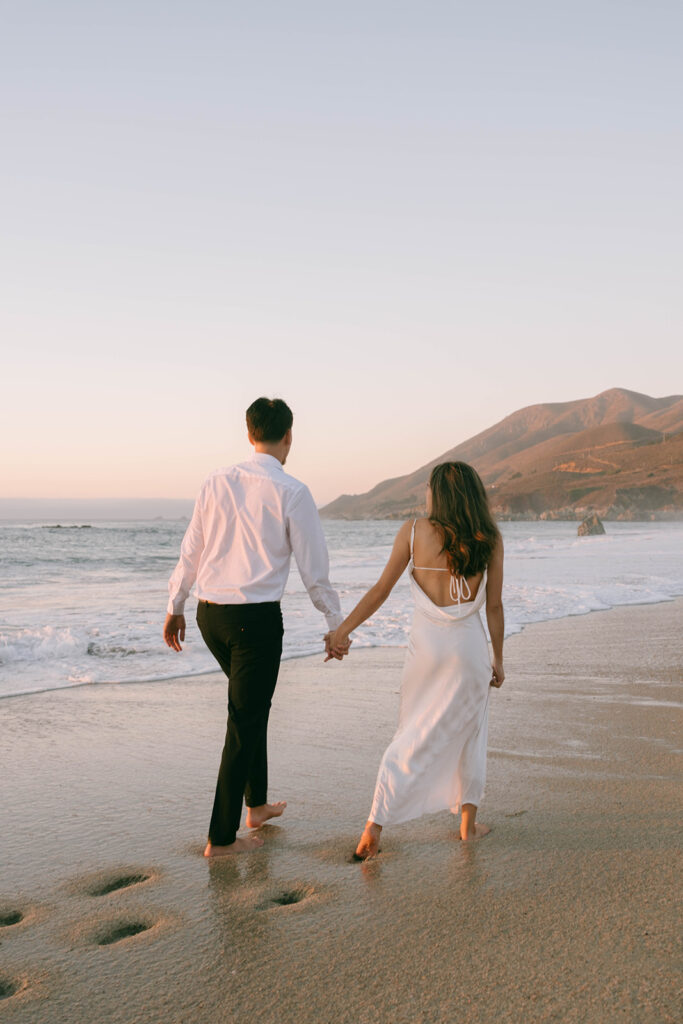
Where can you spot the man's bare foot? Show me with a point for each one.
(243, 844)
(368, 845)
(257, 816)
(479, 832)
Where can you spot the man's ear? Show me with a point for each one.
(251, 439)
(288, 437)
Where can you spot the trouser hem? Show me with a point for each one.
(222, 842)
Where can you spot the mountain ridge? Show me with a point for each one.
(642, 435)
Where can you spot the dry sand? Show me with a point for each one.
(566, 912)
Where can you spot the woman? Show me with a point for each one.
(437, 758)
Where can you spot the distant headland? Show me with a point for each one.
(619, 454)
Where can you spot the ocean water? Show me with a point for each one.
(83, 602)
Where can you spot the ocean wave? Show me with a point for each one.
(69, 526)
(32, 645)
(103, 593)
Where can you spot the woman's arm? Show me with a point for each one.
(494, 612)
(377, 594)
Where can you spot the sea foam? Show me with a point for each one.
(87, 606)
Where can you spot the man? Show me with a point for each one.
(247, 522)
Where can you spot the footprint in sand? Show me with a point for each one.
(10, 917)
(116, 882)
(288, 897)
(106, 933)
(106, 883)
(120, 930)
(8, 987)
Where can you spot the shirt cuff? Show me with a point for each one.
(334, 621)
(176, 607)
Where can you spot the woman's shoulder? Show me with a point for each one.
(408, 524)
(428, 536)
(418, 525)
(423, 526)
(426, 525)
(404, 531)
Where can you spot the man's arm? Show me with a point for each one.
(182, 579)
(310, 551)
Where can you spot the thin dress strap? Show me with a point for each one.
(412, 541)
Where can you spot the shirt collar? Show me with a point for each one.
(267, 460)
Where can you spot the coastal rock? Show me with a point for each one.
(591, 526)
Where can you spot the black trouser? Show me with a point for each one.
(246, 641)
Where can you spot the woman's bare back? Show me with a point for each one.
(430, 567)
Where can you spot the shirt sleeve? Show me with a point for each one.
(310, 551)
(185, 572)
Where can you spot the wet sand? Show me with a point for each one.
(566, 912)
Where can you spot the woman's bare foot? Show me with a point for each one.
(257, 816)
(468, 828)
(243, 844)
(479, 832)
(368, 845)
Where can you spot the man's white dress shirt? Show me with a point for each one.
(247, 522)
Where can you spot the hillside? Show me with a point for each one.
(619, 454)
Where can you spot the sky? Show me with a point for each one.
(408, 220)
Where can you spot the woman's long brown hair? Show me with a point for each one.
(460, 510)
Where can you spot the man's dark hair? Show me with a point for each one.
(269, 419)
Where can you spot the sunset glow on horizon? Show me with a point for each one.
(408, 222)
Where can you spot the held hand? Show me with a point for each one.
(336, 645)
(174, 631)
(497, 672)
(328, 650)
(329, 653)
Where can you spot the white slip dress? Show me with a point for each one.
(437, 758)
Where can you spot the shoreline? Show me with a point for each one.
(205, 674)
(76, 630)
(564, 913)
